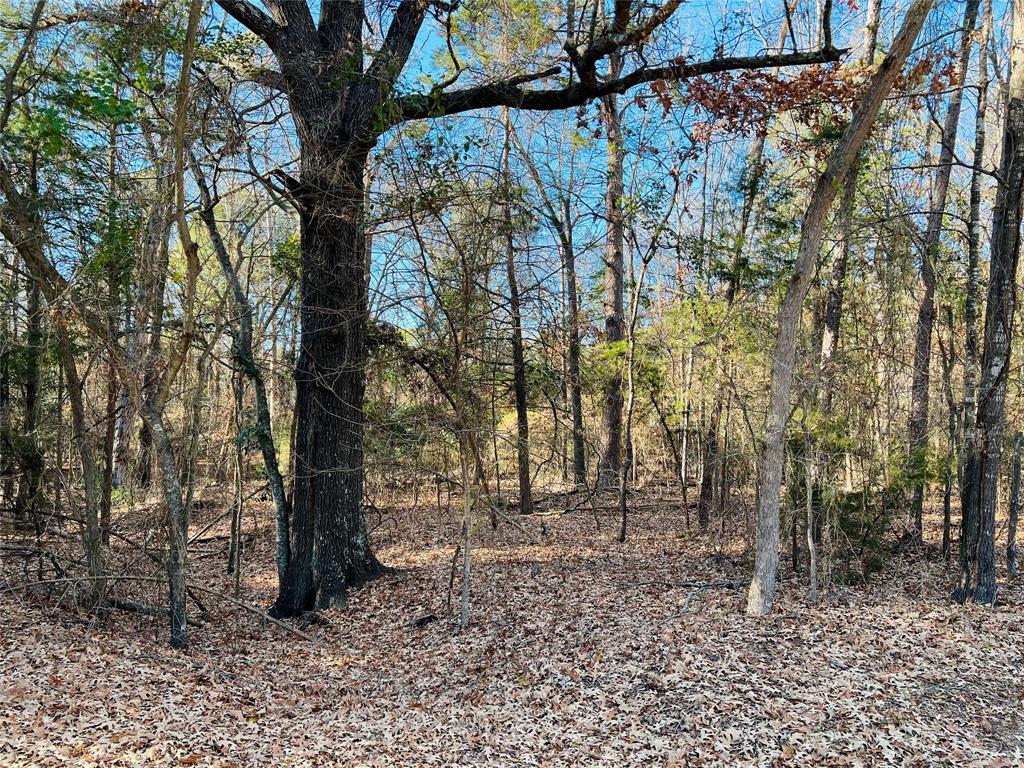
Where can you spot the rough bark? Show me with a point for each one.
(970, 406)
(1011, 534)
(762, 587)
(330, 548)
(981, 473)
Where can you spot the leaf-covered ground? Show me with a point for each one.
(582, 651)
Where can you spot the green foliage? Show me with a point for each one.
(43, 130)
(243, 47)
(96, 94)
(286, 258)
(864, 518)
(113, 257)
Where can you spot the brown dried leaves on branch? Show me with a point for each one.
(816, 97)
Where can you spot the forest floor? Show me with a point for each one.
(581, 652)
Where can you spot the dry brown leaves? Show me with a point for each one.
(568, 662)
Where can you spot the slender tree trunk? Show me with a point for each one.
(113, 299)
(948, 360)
(121, 468)
(235, 542)
(706, 495)
(812, 548)
(8, 335)
(560, 217)
(177, 522)
(970, 406)
(762, 587)
(151, 380)
(108, 453)
(246, 363)
(32, 460)
(837, 287)
(919, 390)
(670, 439)
(468, 504)
(518, 356)
(981, 475)
(92, 538)
(610, 460)
(684, 447)
(579, 456)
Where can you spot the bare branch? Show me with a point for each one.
(509, 92)
(394, 52)
(19, 60)
(253, 19)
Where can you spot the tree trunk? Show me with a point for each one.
(330, 551)
(92, 536)
(579, 456)
(762, 586)
(918, 426)
(177, 521)
(518, 357)
(614, 313)
(970, 406)
(981, 475)
(246, 363)
(33, 463)
(812, 548)
(684, 447)
(706, 496)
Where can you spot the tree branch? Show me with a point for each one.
(253, 19)
(60, 19)
(340, 25)
(508, 93)
(397, 46)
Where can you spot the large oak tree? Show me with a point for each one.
(343, 97)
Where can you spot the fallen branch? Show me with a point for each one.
(131, 606)
(36, 552)
(155, 580)
(253, 609)
(735, 584)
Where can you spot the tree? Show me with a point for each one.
(762, 586)
(610, 460)
(342, 100)
(918, 425)
(516, 312)
(977, 580)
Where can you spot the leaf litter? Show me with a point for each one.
(581, 652)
